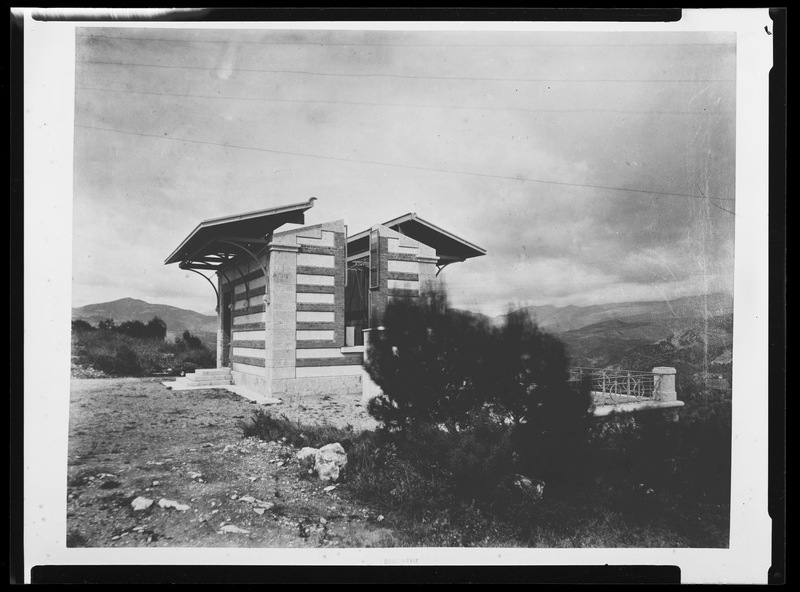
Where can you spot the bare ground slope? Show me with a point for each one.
(131, 438)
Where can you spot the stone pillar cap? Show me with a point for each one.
(664, 370)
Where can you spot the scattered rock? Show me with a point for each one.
(307, 456)
(141, 503)
(230, 528)
(234, 496)
(322, 520)
(531, 488)
(329, 488)
(330, 461)
(259, 511)
(380, 518)
(194, 475)
(156, 483)
(247, 498)
(207, 445)
(228, 448)
(165, 503)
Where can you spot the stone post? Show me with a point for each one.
(665, 383)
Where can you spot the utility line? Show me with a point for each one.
(401, 76)
(404, 166)
(411, 105)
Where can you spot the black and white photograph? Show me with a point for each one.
(381, 293)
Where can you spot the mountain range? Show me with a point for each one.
(694, 334)
(558, 319)
(177, 319)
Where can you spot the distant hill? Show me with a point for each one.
(693, 334)
(566, 318)
(177, 319)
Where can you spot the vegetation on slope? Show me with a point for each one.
(133, 348)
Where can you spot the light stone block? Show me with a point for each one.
(315, 260)
(310, 371)
(314, 335)
(315, 280)
(403, 285)
(327, 352)
(315, 317)
(257, 317)
(249, 335)
(309, 298)
(396, 247)
(403, 266)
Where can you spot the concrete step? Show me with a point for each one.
(207, 382)
(212, 372)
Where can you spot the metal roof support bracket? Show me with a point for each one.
(258, 262)
(206, 278)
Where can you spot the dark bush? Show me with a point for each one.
(156, 329)
(450, 370)
(191, 342)
(80, 326)
(428, 363)
(135, 329)
(123, 362)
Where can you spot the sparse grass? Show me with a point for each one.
(269, 428)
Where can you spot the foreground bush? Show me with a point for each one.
(443, 488)
(444, 368)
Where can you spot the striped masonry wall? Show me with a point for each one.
(247, 283)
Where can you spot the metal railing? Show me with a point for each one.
(611, 387)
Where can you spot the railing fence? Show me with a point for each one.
(619, 386)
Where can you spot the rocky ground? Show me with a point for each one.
(152, 467)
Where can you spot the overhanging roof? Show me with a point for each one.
(449, 247)
(209, 245)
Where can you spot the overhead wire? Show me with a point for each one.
(405, 166)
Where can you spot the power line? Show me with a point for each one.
(411, 105)
(385, 44)
(405, 166)
(401, 76)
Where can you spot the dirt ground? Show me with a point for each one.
(210, 487)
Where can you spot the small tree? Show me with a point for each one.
(156, 329)
(427, 362)
(189, 342)
(135, 329)
(439, 366)
(81, 326)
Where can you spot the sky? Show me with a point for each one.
(593, 167)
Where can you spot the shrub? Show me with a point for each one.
(80, 326)
(269, 428)
(123, 362)
(156, 329)
(450, 370)
(428, 363)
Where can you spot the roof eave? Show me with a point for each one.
(300, 207)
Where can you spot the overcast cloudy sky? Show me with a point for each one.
(593, 167)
